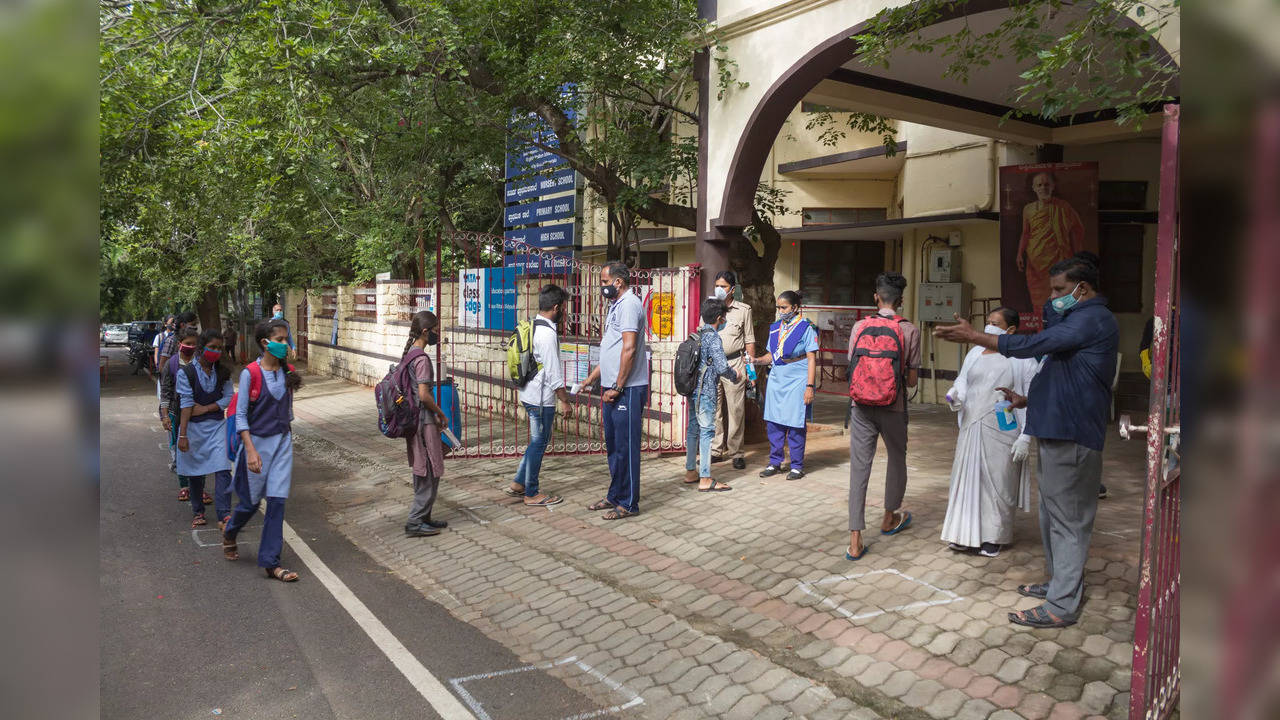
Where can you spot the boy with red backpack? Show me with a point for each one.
(884, 361)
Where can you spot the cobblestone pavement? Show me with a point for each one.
(741, 604)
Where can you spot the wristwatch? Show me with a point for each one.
(616, 389)
(811, 385)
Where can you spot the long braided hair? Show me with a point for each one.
(264, 330)
(422, 321)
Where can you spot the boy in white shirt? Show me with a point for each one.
(540, 394)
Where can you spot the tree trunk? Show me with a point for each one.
(208, 311)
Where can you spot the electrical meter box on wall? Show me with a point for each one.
(940, 302)
(944, 265)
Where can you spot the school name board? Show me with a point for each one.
(487, 298)
(540, 185)
(531, 160)
(552, 263)
(556, 208)
(547, 236)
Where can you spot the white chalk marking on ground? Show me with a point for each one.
(195, 536)
(435, 693)
(808, 588)
(1121, 533)
(474, 517)
(609, 682)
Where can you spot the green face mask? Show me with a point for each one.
(278, 349)
(1062, 304)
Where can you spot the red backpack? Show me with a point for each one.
(875, 370)
(255, 389)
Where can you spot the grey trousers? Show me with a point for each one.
(424, 496)
(1069, 479)
(866, 425)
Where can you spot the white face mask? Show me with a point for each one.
(721, 293)
(993, 330)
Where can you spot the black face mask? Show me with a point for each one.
(609, 291)
(433, 337)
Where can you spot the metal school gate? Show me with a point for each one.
(1157, 670)
(480, 305)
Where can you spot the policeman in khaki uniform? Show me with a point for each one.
(737, 336)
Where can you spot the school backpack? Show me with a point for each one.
(397, 398)
(255, 390)
(875, 370)
(521, 365)
(685, 370)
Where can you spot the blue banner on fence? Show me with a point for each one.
(500, 289)
(549, 263)
(539, 185)
(548, 236)
(556, 208)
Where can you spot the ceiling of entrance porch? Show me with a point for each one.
(913, 89)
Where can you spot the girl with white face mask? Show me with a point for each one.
(989, 476)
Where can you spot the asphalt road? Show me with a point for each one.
(186, 634)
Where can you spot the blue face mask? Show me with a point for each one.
(1062, 304)
(278, 349)
(279, 315)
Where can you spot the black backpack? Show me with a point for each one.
(688, 355)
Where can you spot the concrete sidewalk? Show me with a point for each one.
(741, 604)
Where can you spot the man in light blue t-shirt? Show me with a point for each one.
(623, 373)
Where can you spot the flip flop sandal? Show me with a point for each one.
(184, 495)
(548, 500)
(513, 493)
(222, 524)
(197, 520)
(229, 549)
(1037, 590)
(1038, 617)
(616, 514)
(859, 556)
(279, 573)
(602, 505)
(903, 525)
(207, 499)
(716, 487)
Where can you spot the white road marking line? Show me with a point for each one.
(441, 700)
(609, 682)
(808, 588)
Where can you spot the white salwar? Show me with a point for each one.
(986, 483)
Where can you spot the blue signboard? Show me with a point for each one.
(539, 185)
(532, 160)
(548, 236)
(557, 208)
(550, 263)
(500, 291)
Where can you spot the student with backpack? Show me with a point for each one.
(203, 388)
(538, 346)
(884, 360)
(264, 461)
(424, 446)
(793, 357)
(187, 339)
(701, 429)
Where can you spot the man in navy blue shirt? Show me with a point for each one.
(1068, 407)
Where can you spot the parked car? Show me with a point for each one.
(143, 331)
(115, 335)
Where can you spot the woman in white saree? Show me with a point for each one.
(989, 476)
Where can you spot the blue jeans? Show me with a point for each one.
(540, 423)
(623, 419)
(700, 432)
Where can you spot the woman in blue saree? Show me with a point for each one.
(792, 358)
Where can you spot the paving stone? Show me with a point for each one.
(1096, 697)
(834, 657)
(1014, 669)
(876, 674)
(722, 701)
(946, 703)
(688, 680)
(975, 710)
(747, 708)
(922, 693)
(898, 684)
(768, 681)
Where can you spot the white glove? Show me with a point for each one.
(575, 388)
(954, 400)
(1021, 447)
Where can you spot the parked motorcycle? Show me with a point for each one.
(140, 357)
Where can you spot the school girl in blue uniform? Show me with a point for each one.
(264, 463)
(203, 388)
